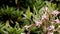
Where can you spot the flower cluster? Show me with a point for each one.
(46, 17)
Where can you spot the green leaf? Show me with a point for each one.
(51, 5)
(28, 13)
(16, 1)
(7, 23)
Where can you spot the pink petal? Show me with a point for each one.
(38, 23)
(55, 12)
(57, 21)
(44, 17)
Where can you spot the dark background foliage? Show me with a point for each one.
(22, 3)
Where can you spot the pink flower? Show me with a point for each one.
(51, 27)
(57, 20)
(28, 26)
(45, 8)
(38, 23)
(50, 33)
(44, 17)
(55, 12)
(28, 32)
(52, 22)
